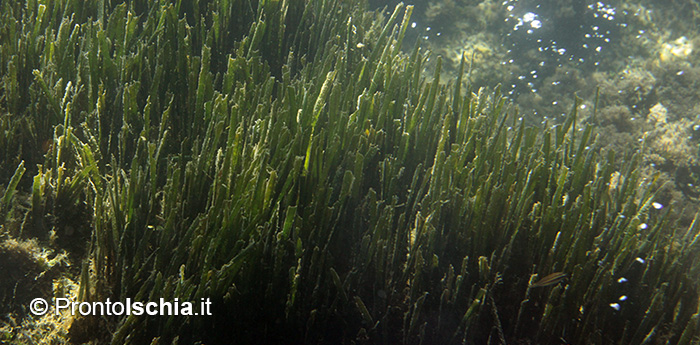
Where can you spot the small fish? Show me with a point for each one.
(550, 279)
(46, 145)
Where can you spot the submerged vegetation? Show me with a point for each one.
(288, 161)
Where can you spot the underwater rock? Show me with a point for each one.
(680, 48)
(669, 143)
(633, 87)
(27, 273)
(658, 115)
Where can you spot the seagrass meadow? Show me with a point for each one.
(289, 162)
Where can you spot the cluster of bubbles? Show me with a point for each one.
(544, 34)
(541, 35)
(617, 304)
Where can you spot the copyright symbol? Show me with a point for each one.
(38, 307)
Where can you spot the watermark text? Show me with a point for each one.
(40, 306)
